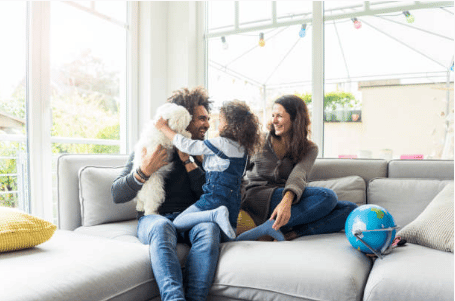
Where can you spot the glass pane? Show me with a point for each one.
(112, 9)
(241, 69)
(88, 60)
(255, 11)
(291, 10)
(88, 78)
(13, 159)
(63, 148)
(220, 15)
(388, 85)
(339, 7)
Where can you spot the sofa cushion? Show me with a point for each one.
(19, 230)
(412, 272)
(74, 267)
(434, 226)
(405, 199)
(350, 188)
(126, 231)
(97, 204)
(68, 167)
(316, 267)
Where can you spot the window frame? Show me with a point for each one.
(38, 104)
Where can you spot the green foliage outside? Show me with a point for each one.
(338, 106)
(8, 182)
(84, 99)
(334, 100)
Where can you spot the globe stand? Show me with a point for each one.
(379, 253)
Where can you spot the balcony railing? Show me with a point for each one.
(18, 197)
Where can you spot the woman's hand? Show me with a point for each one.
(282, 212)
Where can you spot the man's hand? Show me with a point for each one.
(183, 156)
(154, 161)
(161, 123)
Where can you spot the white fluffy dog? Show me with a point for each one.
(152, 194)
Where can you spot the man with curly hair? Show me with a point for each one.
(183, 187)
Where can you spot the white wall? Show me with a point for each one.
(171, 51)
(152, 48)
(185, 45)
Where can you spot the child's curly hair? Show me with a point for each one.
(241, 125)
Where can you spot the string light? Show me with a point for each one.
(357, 23)
(302, 32)
(261, 40)
(224, 44)
(451, 67)
(409, 17)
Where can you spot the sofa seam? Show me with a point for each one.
(372, 289)
(128, 289)
(257, 289)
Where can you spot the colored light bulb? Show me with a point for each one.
(409, 17)
(302, 32)
(261, 40)
(357, 23)
(224, 44)
(451, 68)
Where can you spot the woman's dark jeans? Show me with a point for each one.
(318, 212)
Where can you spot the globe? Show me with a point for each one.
(373, 225)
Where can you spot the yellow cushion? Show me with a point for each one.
(19, 230)
(244, 222)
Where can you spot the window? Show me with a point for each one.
(387, 67)
(88, 76)
(65, 90)
(388, 83)
(13, 161)
(260, 55)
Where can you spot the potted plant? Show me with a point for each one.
(337, 106)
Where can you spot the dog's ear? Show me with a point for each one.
(179, 119)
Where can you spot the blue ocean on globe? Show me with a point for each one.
(370, 217)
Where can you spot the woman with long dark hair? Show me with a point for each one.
(276, 195)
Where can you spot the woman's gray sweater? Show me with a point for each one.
(266, 172)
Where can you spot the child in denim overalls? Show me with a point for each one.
(225, 158)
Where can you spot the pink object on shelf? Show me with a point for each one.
(347, 156)
(411, 157)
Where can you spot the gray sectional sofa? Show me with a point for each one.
(95, 254)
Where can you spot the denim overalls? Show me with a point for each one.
(223, 187)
